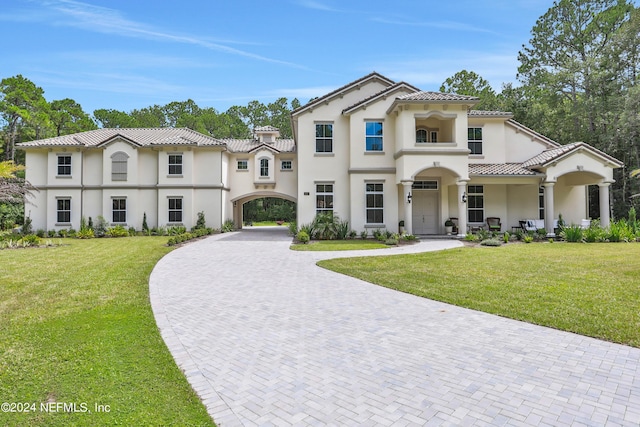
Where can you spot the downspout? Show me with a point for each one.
(81, 184)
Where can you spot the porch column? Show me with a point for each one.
(604, 203)
(408, 210)
(462, 208)
(548, 208)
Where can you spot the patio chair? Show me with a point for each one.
(494, 224)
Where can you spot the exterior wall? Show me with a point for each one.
(521, 146)
(493, 140)
(357, 211)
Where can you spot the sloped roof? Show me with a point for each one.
(138, 136)
(500, 169)
(483, 113)
(266, 129)
(248, 145)
(436, 96)
(355, 83)
(383, 93)
(538, 136)
(554, 154)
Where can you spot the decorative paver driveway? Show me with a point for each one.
(266, 337)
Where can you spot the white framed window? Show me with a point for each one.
(324, 137)
(373, 136)
(119, 210)
(264, 168)
(374, 203)
(475, 203)
(175, 209)
(64, 164)
(119, 166)
(421, 135)
(475, 140)
(63, 210)
(324, 198)
(424, 185)
(175, 164)
(242, 165)
(286, 165)
(433, 136)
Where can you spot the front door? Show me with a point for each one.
(425, 212)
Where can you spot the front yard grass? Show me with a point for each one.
(77, 328)
(338, 245)
(589, 289)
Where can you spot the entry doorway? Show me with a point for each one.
(425, 211)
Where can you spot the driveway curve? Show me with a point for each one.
(267, 338)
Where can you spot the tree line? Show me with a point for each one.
(578, 81)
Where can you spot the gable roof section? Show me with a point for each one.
(422, 96)
(519, 127)
(549, 156)
(249, 145)
(141, 137)
(380, 95)
(349, 86)
(490, 114)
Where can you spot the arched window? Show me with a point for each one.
(421, 135)
(264, 167)
(119, 166)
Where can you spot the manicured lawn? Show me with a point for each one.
(589, 289)
(77, 327)
(339, 245)
(268, 223)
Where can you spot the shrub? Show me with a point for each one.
(364, 234)
(342, 229)
(391, 241)
(40, 233)
(26, 227)
(30, 240)
(293, 228)
(87, 233)
(51, 233)
(470, 237)
(228, 226)
(505, 237)
(62, 232)
(325, 226)
(519, 234)
(100, 227)
(572, 233)
(528, 238)
(379, 235)
(176, 229)
(594, 233)
(145, 226)
(483, 234)
(352, 234)
(117, 231)
(491, 242)
(72, 232)
(308, 228)
(302, 237)
(409, 237)
(132, 231)
(200, 222)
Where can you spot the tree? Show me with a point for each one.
(21, 104)
(471, 84)
(114, 119)
(12, 188)
(67, 117)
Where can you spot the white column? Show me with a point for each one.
(604, 204)
(408, 210)
(462, 208)
(548, 208)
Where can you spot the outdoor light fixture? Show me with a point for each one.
(409, 196)
(464, 197)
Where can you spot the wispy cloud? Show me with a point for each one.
(444, 25)
(316, 5)
(111, 21)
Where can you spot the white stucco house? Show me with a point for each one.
(374, 152)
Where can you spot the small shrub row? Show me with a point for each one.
(193, 234)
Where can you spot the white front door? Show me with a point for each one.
(425, 212)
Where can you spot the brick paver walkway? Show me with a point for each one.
(266, 337)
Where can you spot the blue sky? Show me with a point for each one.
(127, 54)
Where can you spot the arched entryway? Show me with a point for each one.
(239, 203)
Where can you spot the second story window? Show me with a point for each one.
(175, 164)
(64, 165)
(373, 136)
(324, 138)
(285, 165)
(264, 168)
(475, 140)
(119, 166)
(421, 135)
(242, 165)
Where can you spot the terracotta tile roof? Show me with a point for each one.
(385, 92)
(436, 96)
(247, 145)
(139, 136)
(266, 129)
(511, 169)
(549, 156)
(482, 113)
(371, 76)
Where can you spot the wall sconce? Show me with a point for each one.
(464, 197)
(409, 197)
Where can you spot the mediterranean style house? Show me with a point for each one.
(375, 152)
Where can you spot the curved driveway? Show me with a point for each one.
(266, 337)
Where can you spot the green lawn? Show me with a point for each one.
(589, 289)
(77, 327)
(338, 245)
(268, 223)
